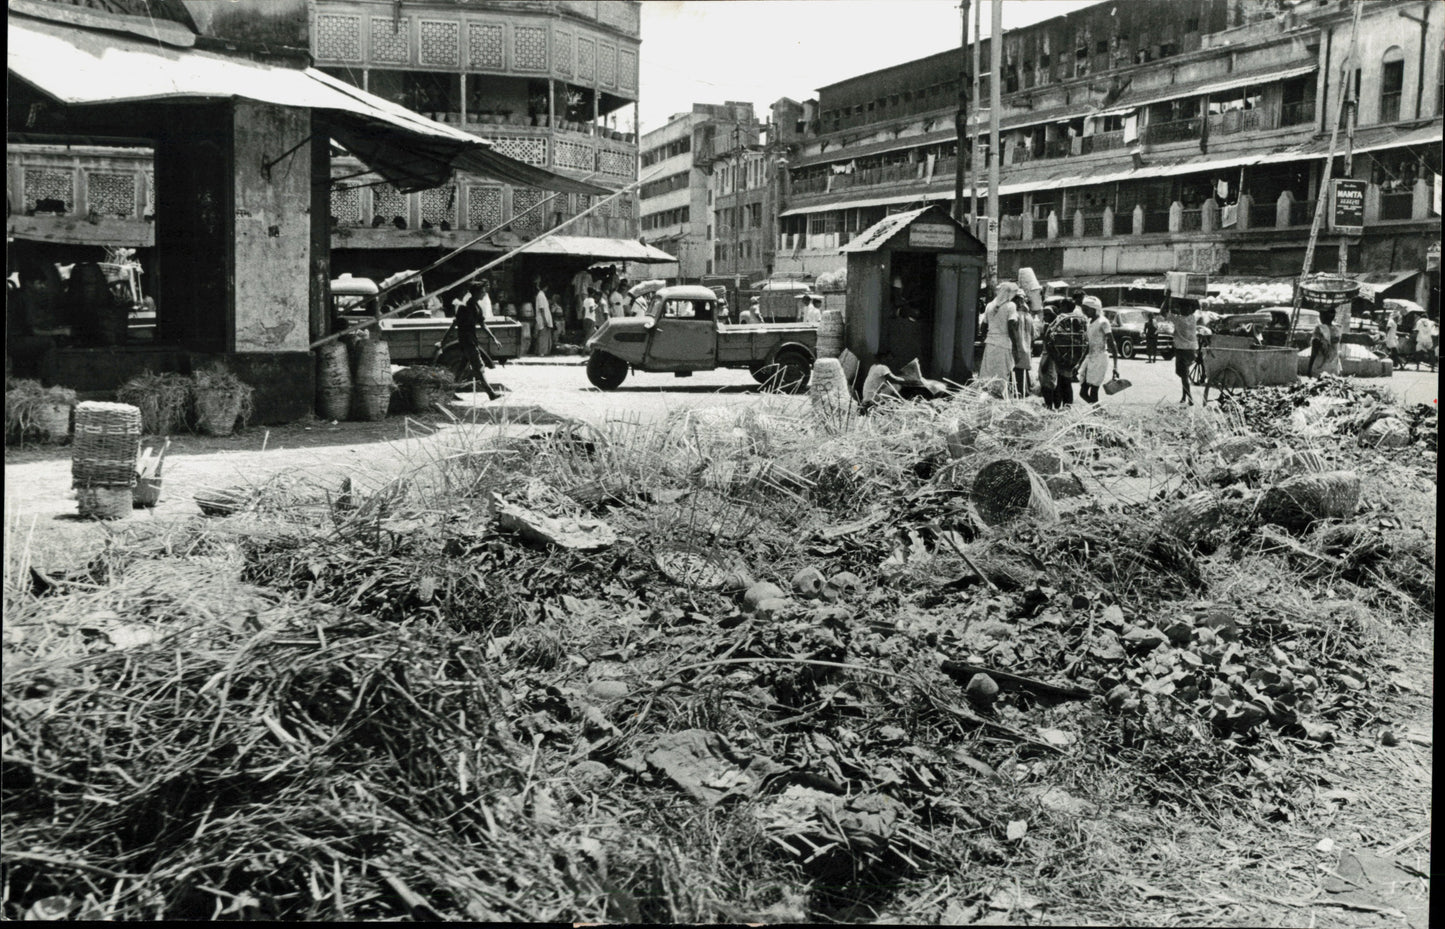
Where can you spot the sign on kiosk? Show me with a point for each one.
(1347, 206)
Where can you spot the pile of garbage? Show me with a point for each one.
(739, 667)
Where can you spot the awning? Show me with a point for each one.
(918, 197)
(1144, 96)
(84, 67)
(582, 246)
(1374, 283)
(1381, 138)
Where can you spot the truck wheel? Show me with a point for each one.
(789, 373)
(606, 372)
(761, 373)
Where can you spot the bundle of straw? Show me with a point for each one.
(164, 400)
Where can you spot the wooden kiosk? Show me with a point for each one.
(913, 281)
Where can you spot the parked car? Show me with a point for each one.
(682, 334)
(1127, 323)
(1255, 324)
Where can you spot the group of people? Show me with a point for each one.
(1425, 332)
(1077, 346)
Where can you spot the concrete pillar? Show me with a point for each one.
(1246, 203)
(1209, 216)
(1108, 221)
(1078, 224)
(1420, 206)
(1053, 224)
(1372, 203)
(1176, 216)
(1138, 219)
(1282, 208)
(1027, 221)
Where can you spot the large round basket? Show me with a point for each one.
(333, 382)
(107, 442)
(1323, 291)
(372, 364)
(52, 421)
(104, 501)
(830, 334)
(424, 398)
(218, 410)
(369, 402)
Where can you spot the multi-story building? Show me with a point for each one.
(675, 204)
(741, 226)
(1151, 135)
(544, 81)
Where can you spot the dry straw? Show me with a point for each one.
(164, 401)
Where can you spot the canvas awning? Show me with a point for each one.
(582, 246)
(86, 67)
(918, 197)
(1373, 283)
(1144, 96)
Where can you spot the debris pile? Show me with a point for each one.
(739, 667)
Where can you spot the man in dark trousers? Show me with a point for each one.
(476, 357)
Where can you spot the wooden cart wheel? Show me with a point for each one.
(1229, 382)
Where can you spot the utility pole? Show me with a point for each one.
(1322, 198)
(1352, 108)
(995, 67)
(973, 136)
(737, 215)
(960, 118)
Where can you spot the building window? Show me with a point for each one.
(1392, 85)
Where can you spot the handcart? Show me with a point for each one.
(1232, 364)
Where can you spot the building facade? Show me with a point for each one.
(1147, 136)
(676, 159)
(546, 82)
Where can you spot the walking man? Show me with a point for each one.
(1186, 343)
(1095, 369)
(475, 356)
(1002, 319)
(1151, 337)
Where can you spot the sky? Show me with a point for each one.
(755, 51)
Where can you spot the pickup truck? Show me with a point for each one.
(412, 339)
(681, 333)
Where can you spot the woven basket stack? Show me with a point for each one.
(333, 382)
(371, 381)
(103, 466)
(830, 334)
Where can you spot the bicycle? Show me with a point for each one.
(1198, 373)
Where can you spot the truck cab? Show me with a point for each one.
(683, 332)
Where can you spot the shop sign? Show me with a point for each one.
(1347, 206)
(930, 235)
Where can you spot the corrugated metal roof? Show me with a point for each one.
(84, 67)
(872, 238)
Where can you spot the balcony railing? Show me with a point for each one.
(1239, 121)
(1297, 113)
(1103, 141)
(1058, 148)
(1156, 221)
(1179, 130)
(1301, 212)
(1124, 222)
(1397, 205)
(1041, 228)
(1093, 226)
(1262, 215)
(1191, 220)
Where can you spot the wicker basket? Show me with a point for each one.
(830, 334)
(333, 382)
(104, 501)
(218, 410)
(424, 398)
(52, 421)
(369, 402)
(107, 442)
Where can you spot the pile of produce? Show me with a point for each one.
(1269, 293)
(733, 668)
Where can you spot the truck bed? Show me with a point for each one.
(740, 346)
(413, 340)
